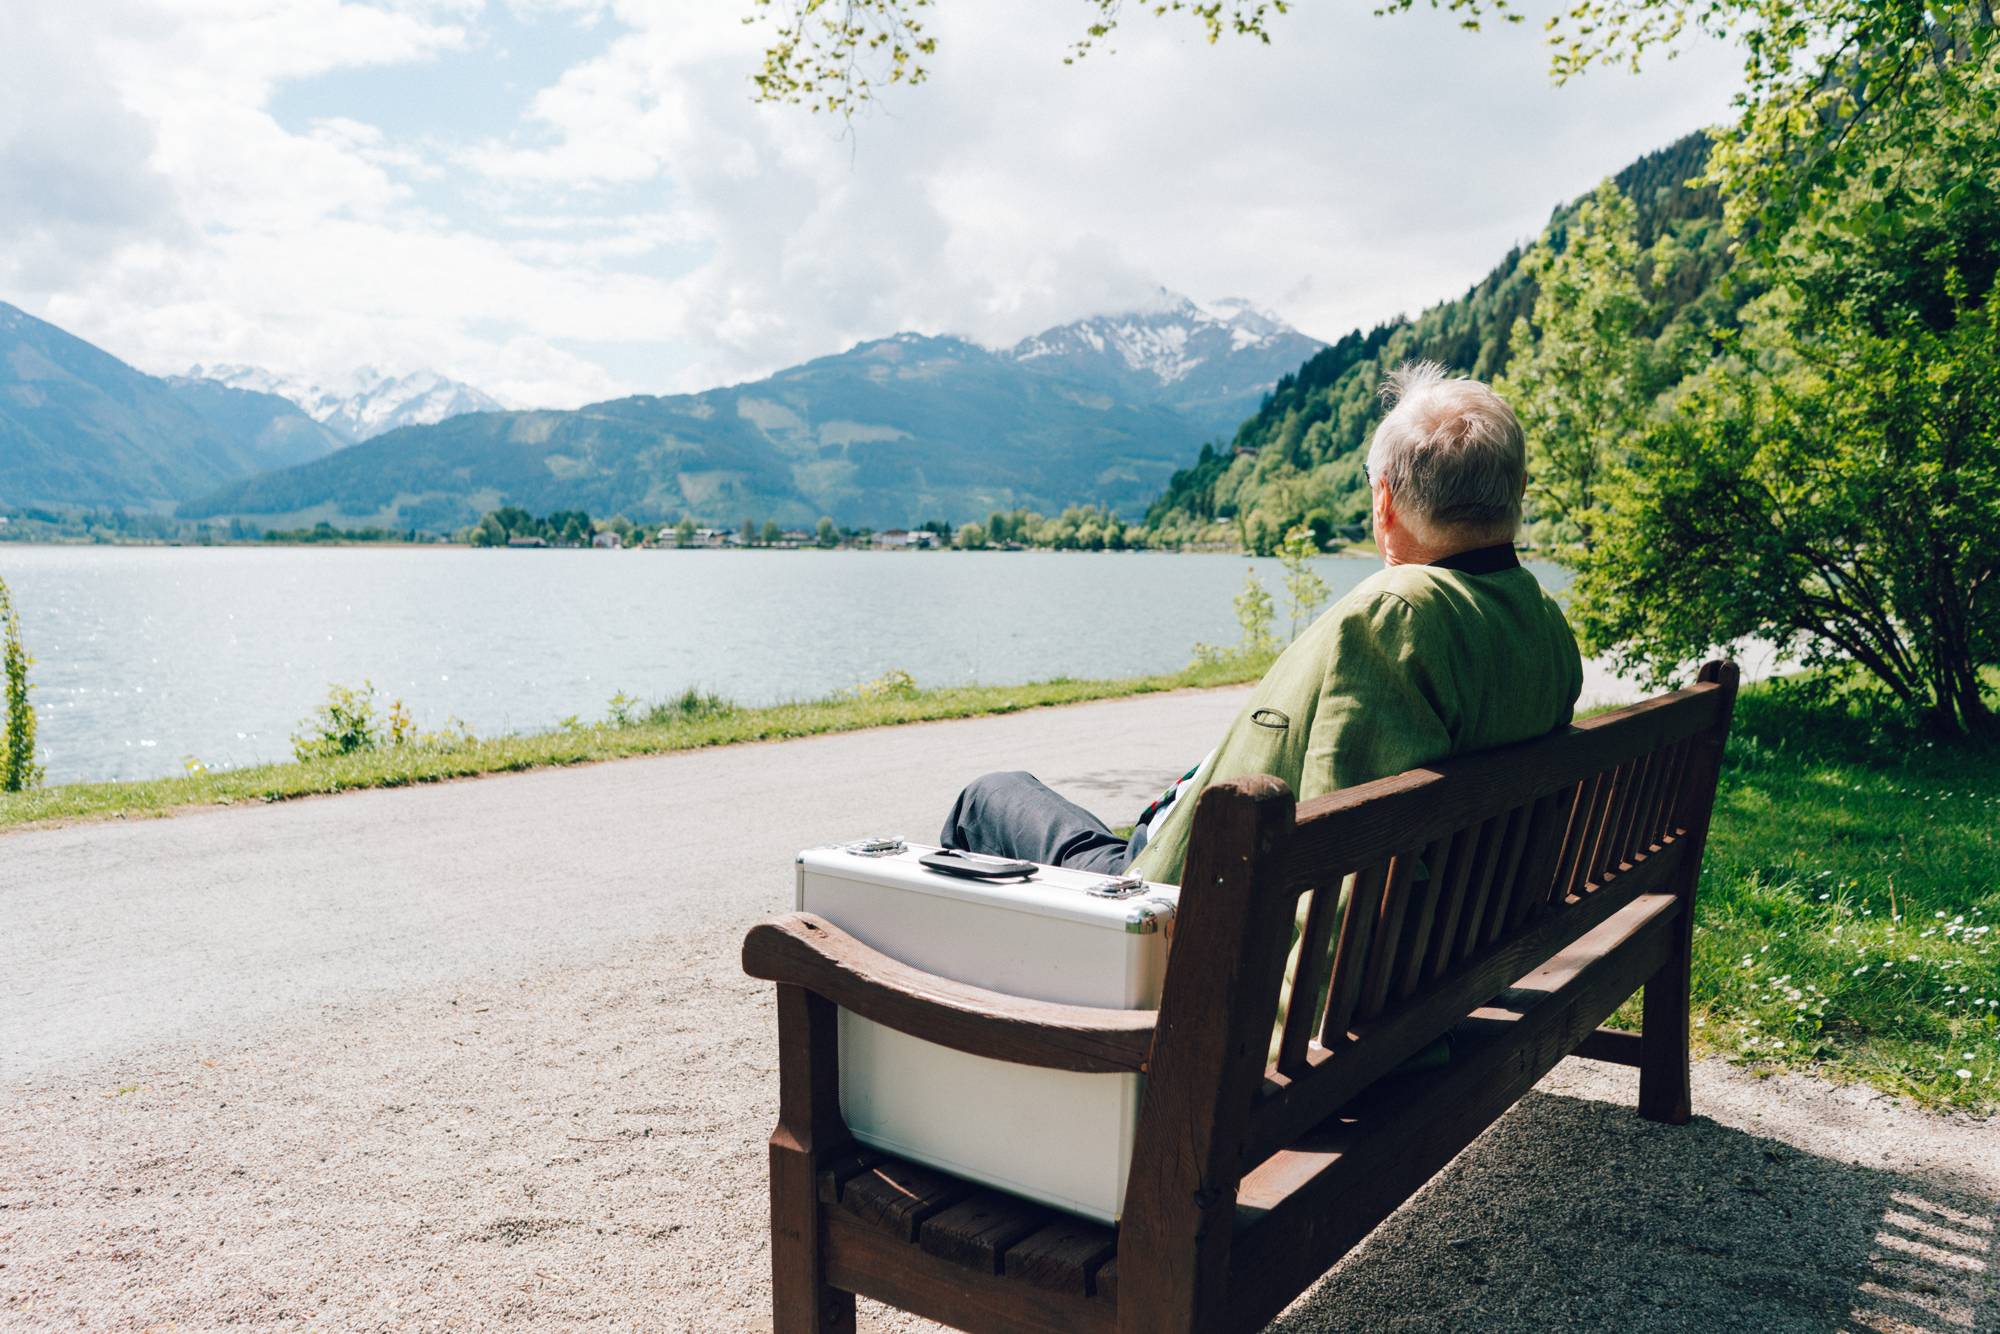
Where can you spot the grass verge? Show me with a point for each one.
(659, 731)
(1849, 902)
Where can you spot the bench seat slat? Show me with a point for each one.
(864, 1259)
(843, 1168)
(897, 1196)
(977, 1231)
(1061, 1257)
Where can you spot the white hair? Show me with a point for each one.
(1450, 451)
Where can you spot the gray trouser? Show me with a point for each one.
(1017, 815)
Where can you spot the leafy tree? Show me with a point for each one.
(972, 537)
(684, 532)
(1307, 591)
(18, 770)
(836, 57)
(1834, 484)
(772, 533)
(489, 533)
(749, 532)
(827, 534)
(1581, 384)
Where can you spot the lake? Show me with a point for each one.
(146, 657)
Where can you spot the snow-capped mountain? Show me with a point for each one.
(1214, 360)
(368, 404)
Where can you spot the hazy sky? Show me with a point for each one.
(563, 200)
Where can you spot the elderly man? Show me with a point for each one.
(1452, 647)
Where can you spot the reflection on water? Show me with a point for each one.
(149, 655)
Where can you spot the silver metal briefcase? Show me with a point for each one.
(1070, 937)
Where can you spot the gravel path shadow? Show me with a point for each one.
(1574, 1214)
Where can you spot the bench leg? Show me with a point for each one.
(802, 1301)
(1663, 1035)
(809, 1125)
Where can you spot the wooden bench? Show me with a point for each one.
(1514, 899)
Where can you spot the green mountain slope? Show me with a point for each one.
(80, 428)
(1298, 458)
(894, 431)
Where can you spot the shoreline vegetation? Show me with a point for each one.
(403, 757)
(1078, 528)
(1846, 914)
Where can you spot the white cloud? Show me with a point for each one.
(635, 223)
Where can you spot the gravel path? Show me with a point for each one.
(480, 1056)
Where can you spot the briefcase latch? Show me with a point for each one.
(1118, 887)
(875, 847)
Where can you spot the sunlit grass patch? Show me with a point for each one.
(1848, 903)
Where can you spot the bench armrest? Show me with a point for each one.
(808, 951)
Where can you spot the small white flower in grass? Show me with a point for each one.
(1963, 1073)
(1937, 914)
(1859, 971)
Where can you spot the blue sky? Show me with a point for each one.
(563, 200)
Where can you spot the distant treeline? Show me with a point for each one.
(564, 528)
(326, 532)
(1077, 528)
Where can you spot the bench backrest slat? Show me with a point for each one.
(1421, 926)
(1422, 884)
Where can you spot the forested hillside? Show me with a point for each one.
(1298, 458)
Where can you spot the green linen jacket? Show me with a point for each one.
(1416, 663)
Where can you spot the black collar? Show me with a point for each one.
(1482, 560)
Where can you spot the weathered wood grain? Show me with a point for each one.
(897, 1196)
(1063, 1256)
(811, 952)
(978, 1230)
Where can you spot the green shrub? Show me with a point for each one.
(892, 684)
(691, 705)
(18, 770)
(1254, 613)
(346, 723)
(349, 723)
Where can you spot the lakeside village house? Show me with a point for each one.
(894, 539)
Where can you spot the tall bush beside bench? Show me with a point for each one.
(1514, 898)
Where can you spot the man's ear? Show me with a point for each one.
(1385, 508)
